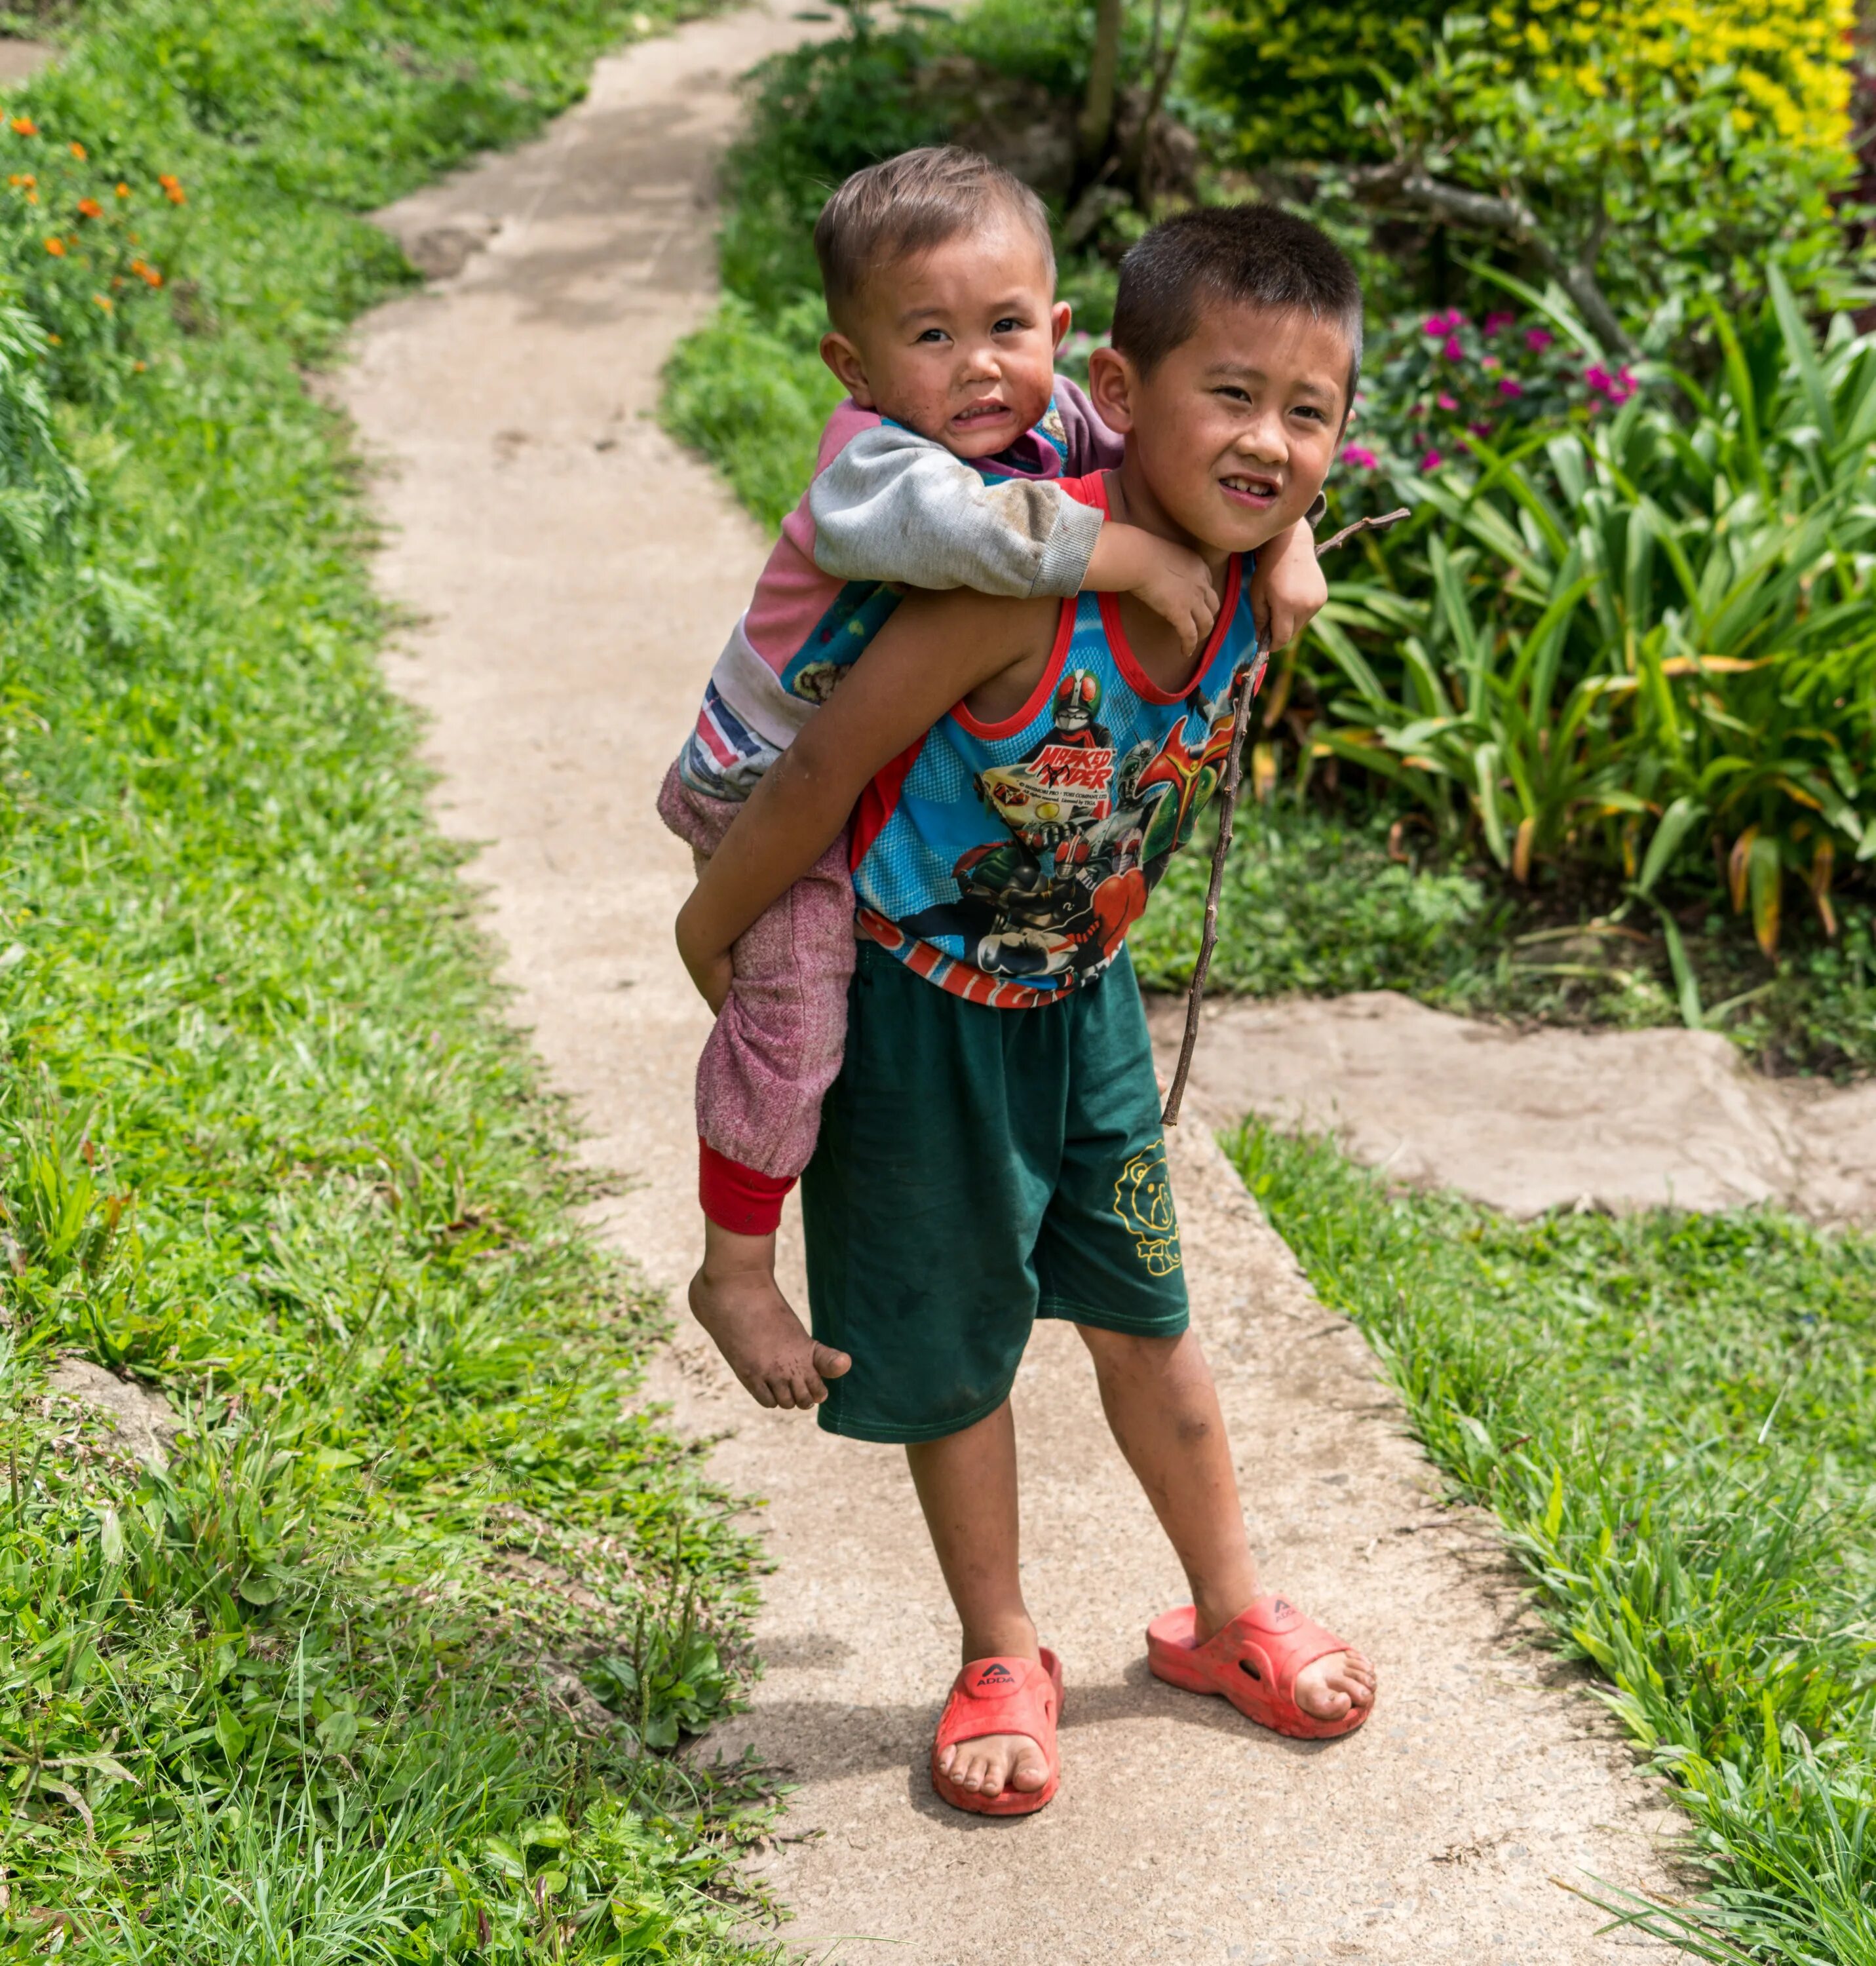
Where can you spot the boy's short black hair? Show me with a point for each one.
(909, 203)
(1258, 255)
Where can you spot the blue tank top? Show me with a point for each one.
(1006, 861)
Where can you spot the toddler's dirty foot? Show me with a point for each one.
(734, 1298)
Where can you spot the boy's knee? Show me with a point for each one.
(1141, 1350)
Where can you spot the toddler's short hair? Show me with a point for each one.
(907, 204)
(1258, 255)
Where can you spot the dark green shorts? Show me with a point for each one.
(978, 1169)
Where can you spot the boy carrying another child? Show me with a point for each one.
(1017, 773)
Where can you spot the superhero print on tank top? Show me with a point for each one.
(1007, 862)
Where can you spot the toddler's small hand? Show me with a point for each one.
(1176, 584)
(1287, 588)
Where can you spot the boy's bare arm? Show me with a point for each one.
(934, 651)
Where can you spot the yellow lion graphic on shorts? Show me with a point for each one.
(1143, 1199)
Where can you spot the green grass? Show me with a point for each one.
(384, 1667)
(1315, 903)
(1675, 1418)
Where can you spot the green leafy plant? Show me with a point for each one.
(1630, 638)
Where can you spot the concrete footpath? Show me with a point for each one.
(574, 574)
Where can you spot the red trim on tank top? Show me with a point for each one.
(1014, 724)
(1128, 663)
(880, 802)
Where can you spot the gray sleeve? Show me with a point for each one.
(895, 506)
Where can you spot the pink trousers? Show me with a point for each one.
(778, 1039)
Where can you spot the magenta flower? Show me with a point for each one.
(1480, 430)
(1446, 402)
(1538, 338)
(1509, 385)
(1598, 380)
(1435, 327)
(1489, 362)
(1362, 460)
(1493, 322)
(1454, 350)
(1432, 461)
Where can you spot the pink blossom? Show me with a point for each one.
(1493, 322)
(1538, 338)
(1454, 349)
(1362, 460)
(1489, 362)
(1446, 402)
(1598, 380)
(1509, 385)
(1480, 430)
(1436, 326)
(1432, 461)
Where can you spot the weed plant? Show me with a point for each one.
(1675, 1418)
(385, 1664)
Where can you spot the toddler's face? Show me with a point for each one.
(958, 343)
(1236, 428)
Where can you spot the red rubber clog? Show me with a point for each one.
(1253, 1663)
(1002, 1696)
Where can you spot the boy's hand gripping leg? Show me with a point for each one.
(735, 1297)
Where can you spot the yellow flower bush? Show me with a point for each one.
(1789, 55)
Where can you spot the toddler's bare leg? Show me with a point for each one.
(1162, 1406)
(966, 1485)
(735, 1297)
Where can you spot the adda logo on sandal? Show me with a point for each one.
(995, 1679)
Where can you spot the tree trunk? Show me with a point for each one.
(1097, 122)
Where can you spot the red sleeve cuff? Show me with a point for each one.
(737, 1197)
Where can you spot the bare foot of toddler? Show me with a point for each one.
(735, 1298)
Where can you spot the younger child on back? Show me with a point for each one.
(943, 469)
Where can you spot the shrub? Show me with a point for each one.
(40, 492)
(1614, 643)
(1283, 72)
(1629, 177)
(84, 237)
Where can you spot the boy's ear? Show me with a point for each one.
(844, 359)
(1112, 386)
(1061, 318)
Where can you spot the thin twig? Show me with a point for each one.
(1379, 523)
(1228, 799)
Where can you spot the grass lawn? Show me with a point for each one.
(1675, 1418)
(380, 1669)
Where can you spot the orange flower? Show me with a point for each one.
(24, 126)
(139, 366)
(57, 340)
(146, 273)
(56, 247)
(104, 301)
(172, 189)
(123, 191)
(78, 151)
(89, 208)
(24, 178)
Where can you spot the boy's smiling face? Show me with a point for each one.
(1233, 433)
(957, 342)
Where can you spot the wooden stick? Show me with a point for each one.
(1228, 797)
